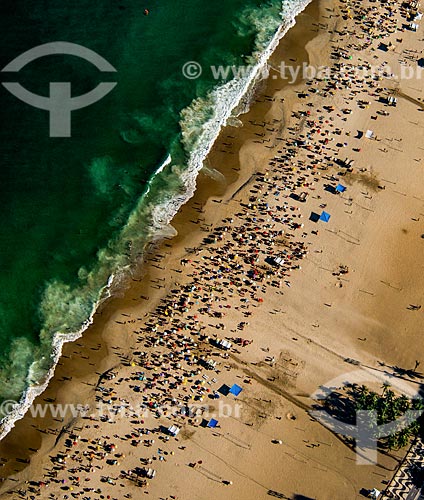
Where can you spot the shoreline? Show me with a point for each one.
(121, 342)
(181, 222)
(194, 165)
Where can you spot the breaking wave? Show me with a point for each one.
(67, 312)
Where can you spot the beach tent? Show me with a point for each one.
(173, 430)
(303, 196)
(212, 423)
(150, 473)
(414, 26)
(224, 390)
(224, 344)
(235, 389)
(325, 216)
(392, 101)
(210, 364)
(374, 493)
(369, 134)
(340, 188)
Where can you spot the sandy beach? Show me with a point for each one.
(343, 296)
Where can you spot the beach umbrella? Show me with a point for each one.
(325, 217)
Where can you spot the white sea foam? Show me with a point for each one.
(225, 101)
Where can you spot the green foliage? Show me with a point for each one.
(389, 408)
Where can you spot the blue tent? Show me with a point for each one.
(236, 390)
(340, 188)
(212, 423)
(325, 217)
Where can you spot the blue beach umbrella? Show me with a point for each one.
(212, 423)
(235, 389)
(325, 216)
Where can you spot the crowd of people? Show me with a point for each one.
(179, 362)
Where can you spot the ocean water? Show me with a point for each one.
(77, 212)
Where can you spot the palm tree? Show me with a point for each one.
(362, 397)
(392, 442)
(403, 437)
(402, 405)
(385, 386)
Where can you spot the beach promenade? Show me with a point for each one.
(407, 483)
(297, 263)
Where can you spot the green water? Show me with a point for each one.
(75, 210)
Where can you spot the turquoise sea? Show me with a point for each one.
(76, 212)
